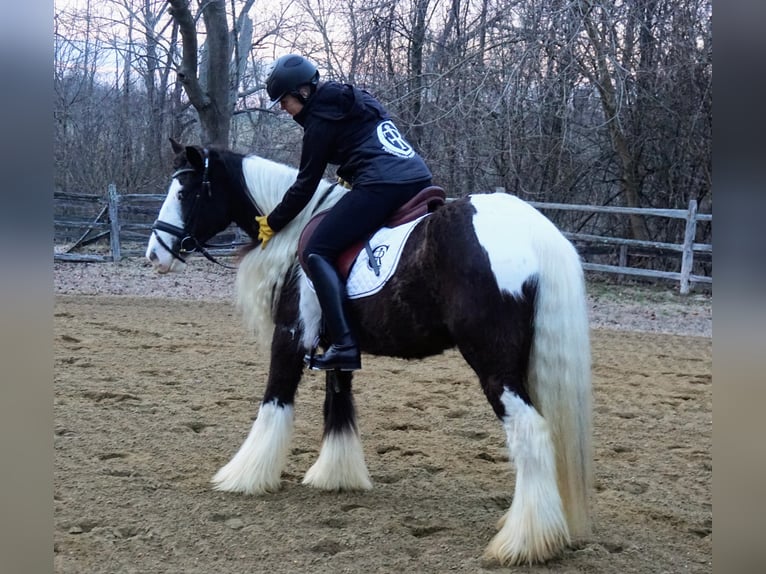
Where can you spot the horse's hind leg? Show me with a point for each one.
(534, 529)
(340, 465)
(257, 466)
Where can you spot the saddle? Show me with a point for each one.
(427, 200)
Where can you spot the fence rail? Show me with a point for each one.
(128, 218)
(687, 249)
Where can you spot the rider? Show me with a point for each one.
(347, 127)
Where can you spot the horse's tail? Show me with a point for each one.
(559, 372)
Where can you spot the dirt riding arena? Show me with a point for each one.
(153, 395)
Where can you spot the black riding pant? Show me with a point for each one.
(358, 214)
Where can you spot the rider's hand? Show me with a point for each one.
(265, 232)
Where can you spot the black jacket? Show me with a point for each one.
(347, 127)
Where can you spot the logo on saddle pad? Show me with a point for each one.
(386, 250)
(379, 256)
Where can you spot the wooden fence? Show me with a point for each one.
(127, 219)
(686, 249)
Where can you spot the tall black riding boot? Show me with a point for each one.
(343, 353)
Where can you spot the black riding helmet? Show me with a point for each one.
(287, 74)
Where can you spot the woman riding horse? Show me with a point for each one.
(348, 127)
(510, 296)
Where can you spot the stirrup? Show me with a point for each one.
(335, 358)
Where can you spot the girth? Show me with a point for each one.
(425, 201)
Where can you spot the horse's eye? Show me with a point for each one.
(180, 196)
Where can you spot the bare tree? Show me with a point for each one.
(590, 101)
(639, 56)
(208, 88)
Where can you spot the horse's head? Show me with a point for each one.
(192, 212)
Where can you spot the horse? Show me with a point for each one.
(486, 273)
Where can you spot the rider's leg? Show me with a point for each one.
(356, 216)
(343, 353)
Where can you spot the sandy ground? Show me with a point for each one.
(157, 383)
(633, 308)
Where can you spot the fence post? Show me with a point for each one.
(114, 235)
(687, 256)
(622, 261)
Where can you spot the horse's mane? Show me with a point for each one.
(262, 272)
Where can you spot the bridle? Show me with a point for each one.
(189, 243)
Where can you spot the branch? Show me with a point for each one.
(187, 71)
(249, 111)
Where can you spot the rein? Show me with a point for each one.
(189, 243)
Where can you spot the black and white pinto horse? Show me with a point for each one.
(487, 274)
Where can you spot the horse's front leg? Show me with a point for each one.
(257, 466)
(340, 465)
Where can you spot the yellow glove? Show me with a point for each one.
(265, 233)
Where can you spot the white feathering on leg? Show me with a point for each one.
(534, 529)
(257, 466)
(340, 465)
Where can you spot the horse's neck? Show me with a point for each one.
(262, 272)
(266, 181)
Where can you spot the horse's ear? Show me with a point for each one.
(177, 147)
(196, 157)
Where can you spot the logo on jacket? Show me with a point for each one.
(392, 140)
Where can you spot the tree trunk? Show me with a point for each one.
(211, 100)
(417, 45)
(629, 181)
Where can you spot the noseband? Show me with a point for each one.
(189, 243)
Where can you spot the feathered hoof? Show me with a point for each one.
(318, 477)
(340, 465)
(514, 547)
(504, 554)
(227, 481)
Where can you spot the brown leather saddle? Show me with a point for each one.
(427, 200)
